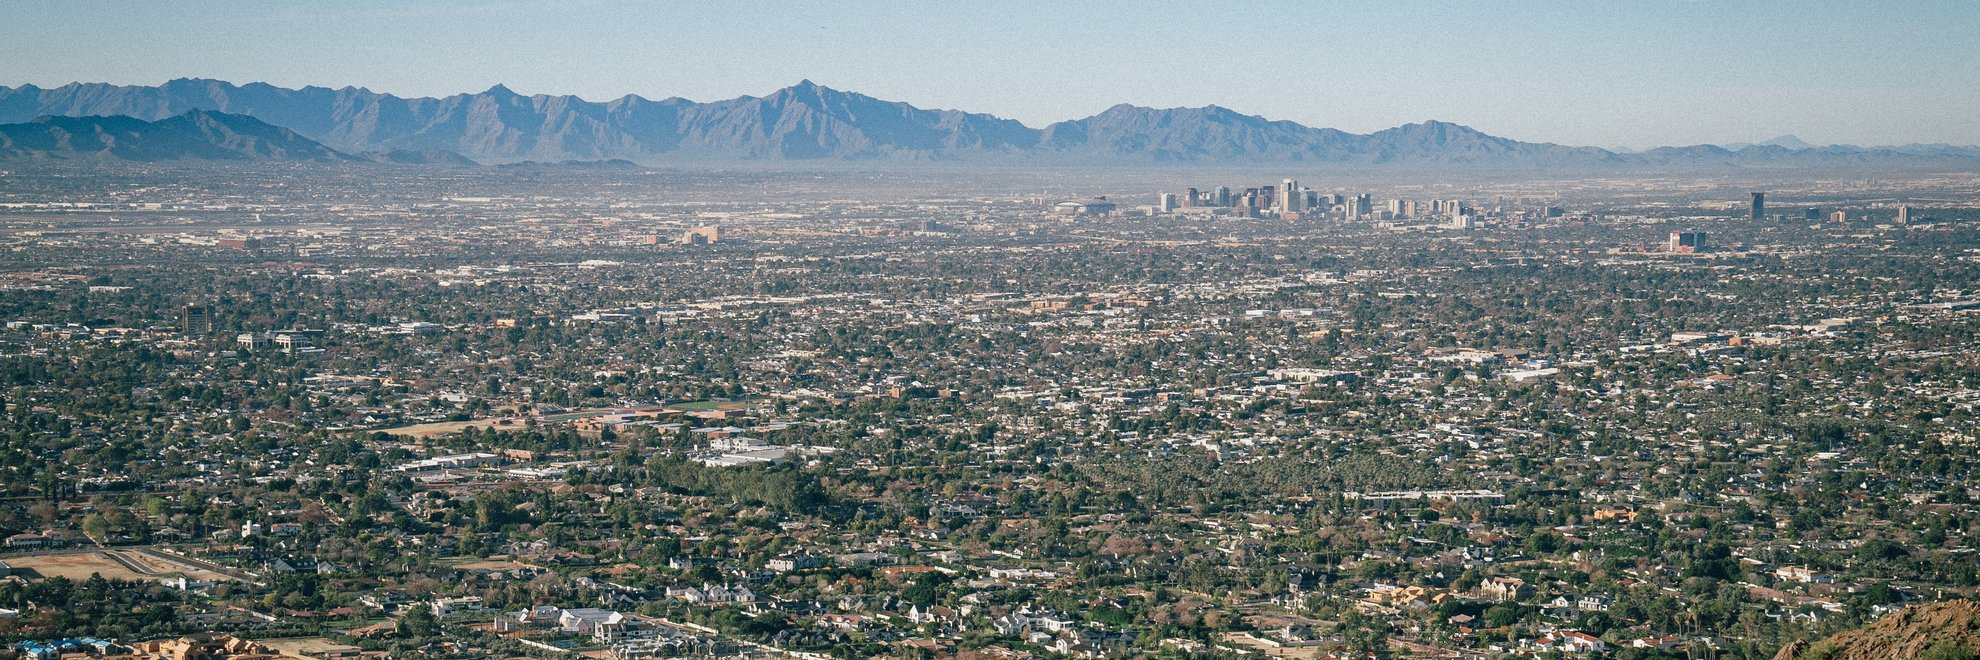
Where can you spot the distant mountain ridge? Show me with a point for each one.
(1792, 143)
(1785, 142)
(809, 122)
(195, 135)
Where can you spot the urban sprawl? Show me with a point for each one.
(319, 411)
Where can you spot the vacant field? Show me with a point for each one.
(438, 429)
(489, 564)
(1244, 641)
(75, 566)
(79, 566)
(302, 647)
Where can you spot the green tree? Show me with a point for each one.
(419, 622)
(96, 527)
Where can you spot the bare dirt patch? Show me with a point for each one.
(75, 566)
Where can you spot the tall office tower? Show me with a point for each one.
(1904, 215)
(1395, 207)
(1838, 216)
(1268, 197)
(197, 321)
(1189, 199)
(1759, 205)
(1312, 199)
(1453, 208)
(1409, 209)
(1364, 205)
(1223, 195)
(1292, 200)
(1166, 203)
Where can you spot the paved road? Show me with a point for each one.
(129, 565)
(190, 562)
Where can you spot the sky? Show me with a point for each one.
(1607, 73)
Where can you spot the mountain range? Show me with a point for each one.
(195, 135)
(809, 122)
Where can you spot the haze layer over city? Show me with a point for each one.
(1270, 330)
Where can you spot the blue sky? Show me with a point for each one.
(1588, 72)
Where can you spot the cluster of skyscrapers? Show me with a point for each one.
(1289, 199)
(1758, 211)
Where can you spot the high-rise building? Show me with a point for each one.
(1904, 215)
(1838, 216)
(1223, 195)
(197, 321)
(1812, 213)
(1453, 208)
(1396, 207)
(1687, 241)
(702, 235)
(1409, 209)
(1189, 199)
(1292, 199)
(1357, 207)
(1759, 206)
(1166, 203)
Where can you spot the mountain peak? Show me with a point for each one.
(807, 88)
(1211, 111)
(1788, 142)
(1443, 125)
(1125, 108)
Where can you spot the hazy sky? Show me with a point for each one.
(1584, 72)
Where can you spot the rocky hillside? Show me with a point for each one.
(1939, 631)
